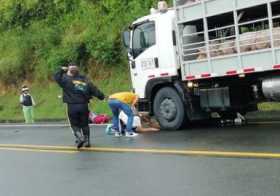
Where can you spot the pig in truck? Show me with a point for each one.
(205, 58)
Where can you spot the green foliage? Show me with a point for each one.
(16, 56)
(49, 104)
(37, 36)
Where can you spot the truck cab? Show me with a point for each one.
(152, 49)
(155, 68)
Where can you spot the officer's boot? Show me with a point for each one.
(86, 133)
(78, 136)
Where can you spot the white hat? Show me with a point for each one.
(24, 89)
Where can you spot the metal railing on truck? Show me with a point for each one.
(243, 46)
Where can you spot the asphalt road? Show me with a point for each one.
(41, 161)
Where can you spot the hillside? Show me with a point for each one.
(38, 36)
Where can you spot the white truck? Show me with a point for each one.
(205, 58)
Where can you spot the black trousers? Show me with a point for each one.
(78, 116)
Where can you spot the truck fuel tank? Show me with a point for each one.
(271, 88)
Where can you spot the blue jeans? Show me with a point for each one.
(117, 106)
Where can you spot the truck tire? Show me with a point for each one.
(169, 109)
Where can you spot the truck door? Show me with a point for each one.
(144, 54)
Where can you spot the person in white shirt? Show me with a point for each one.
(141, 122)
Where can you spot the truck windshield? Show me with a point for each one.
(143, 38)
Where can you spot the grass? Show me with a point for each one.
(269, 106)
(49, 105)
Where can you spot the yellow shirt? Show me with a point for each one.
(125, 97)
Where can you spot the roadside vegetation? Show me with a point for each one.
(39, 36)
(47, 96)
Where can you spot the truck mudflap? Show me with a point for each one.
(192, 103)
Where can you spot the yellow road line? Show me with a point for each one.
(192, 152)
(72, 149)
(37, 150)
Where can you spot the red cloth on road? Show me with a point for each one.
(99, 119)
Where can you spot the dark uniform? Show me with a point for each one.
(77, 92)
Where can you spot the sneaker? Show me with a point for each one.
(80, 144)
(118, 134)
(131, 134)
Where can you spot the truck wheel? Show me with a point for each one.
(169, 109)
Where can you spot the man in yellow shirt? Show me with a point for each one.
(123, 101)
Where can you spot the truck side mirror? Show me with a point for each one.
(126, 39)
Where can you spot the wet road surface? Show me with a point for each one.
(43, 161)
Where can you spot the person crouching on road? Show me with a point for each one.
(77, 92)
(142, 123)
(27, 102)
(123, 102)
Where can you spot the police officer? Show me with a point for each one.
(77, 92)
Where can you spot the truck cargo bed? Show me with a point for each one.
(245, 63)
(188, 10)
(219, 38)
